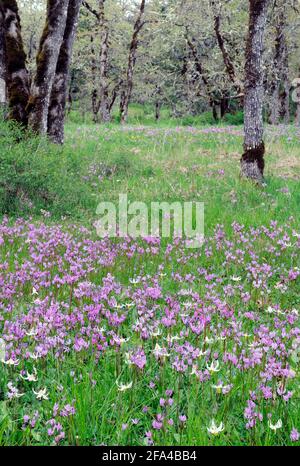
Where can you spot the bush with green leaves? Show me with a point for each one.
(34, 175)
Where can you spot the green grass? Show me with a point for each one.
(162, 164)
(155, 163)
(148, 163)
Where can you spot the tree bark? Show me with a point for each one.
(2, 63)
(104, 111)
(17, 78)
(56, 113)
(127, 91)
(252, 162)
(51, 40)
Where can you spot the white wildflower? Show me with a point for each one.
(123, 387)
(41, 394)
(30, 377)
(214, 367)
(276, 426)
(214, 429)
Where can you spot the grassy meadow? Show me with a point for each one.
(147, 342)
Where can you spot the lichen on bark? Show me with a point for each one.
(17, 78)
(47, 57)
(2, 62)
(252, 161)
(56, 113)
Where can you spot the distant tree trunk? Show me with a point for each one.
(252, 162)
(56, 114)
(285, 96)
(114, 95)
(69, 102)
(280, 101)
(104, 111)
(47, 57)
(157, 110)
(229, 66)
(200, 71)
(2, 62)
(17, 78)
(95, 106)
(214, 111)
(224, 106)
(127, 91)
(297, 120)
(296, 98)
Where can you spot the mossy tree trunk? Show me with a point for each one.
(2, 62)
(17, 78)
(128, 85)
(47, 57)
(252, 162)
(56, 113)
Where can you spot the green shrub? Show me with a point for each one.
(234, 118)
(34, 175)
(205, 118)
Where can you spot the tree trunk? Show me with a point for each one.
(296, 99)
(69, 102)
(229, 66)
(252, 162)
(297, 120)
(127, 91)
(17, 78)
(95, 106)
(104, 112)
(285, 96)
(275, 100)
(202, 75)
(280, 101)
(114, 95)
(2, 63)
(47, 57)
(157, 110)
(285, 102)
(56, 114)
(224, 106)
(215, 111)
